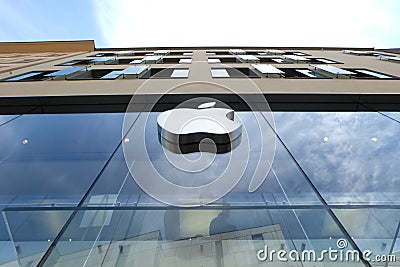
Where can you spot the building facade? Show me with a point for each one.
(310, 175)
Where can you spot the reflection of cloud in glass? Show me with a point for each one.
(353, 160)
(64, 154)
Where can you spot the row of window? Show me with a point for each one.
(128, 61)
(190, 53)
(155, 59)
(256, 71)
(381, 56)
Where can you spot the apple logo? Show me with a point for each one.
(210, 129)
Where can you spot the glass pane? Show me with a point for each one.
(284, 184)
(32, 233)
(219, 73)
(180, 73)
(352, 158)
(372, 229)
(191, 237)
(67, 71)
(53, 159)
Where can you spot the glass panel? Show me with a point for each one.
(352, 158)
(24, 76)
(267, 69)
(185, 61)
(333, 70)
(66, 72)
(374, 74)
(284, 184)
(112, 75)
(237, 51)
(52, 159)
(136, 61)
(32, 233)
(6, 118)
(219, 73)
(191, 237)
(373, 229)
(135, 70)
(102, 59)
(296, 58)
(180, 73)
(248, 58)
(214, 60)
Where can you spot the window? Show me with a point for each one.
(77, 62)
(275, 60)
(134, 71)
(369, 74)
(107, 54)
(66, 73)
(357, 73)
(390, 58)
(185, 61)
(323, 61)
(233, 73)
(248, 58)
(122, 61)
(333, 71)
(99, 74)
(29, 76)
(358, 53)
(161, 52)
(225, 59)
(166, 73)
(217, 52)
(214, 61)
(174, 60)
(303, 73)
(268, 70)
(296, 58)
(295, 53)
(237, 51)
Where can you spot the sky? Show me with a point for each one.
(129, 23)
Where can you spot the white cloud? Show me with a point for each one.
(264, 23)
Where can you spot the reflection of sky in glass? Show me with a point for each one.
(350, 157)
(345, 153)
(54, 156)
(284, 183)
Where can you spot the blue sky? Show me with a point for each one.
(126, 23)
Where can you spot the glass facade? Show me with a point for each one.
(68, 197)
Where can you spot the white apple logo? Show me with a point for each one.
(182, 129)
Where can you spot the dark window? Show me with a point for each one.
(108, 54)
(121, 61)
(165, 73)
(76, 62)
(296, 53)
(98, 74)
(360, 73)
(320, 60)
(29, 76)
(172, 60)
(226, 59)
(233, 73)
(302, 73)
(274, 60)
(218, 52)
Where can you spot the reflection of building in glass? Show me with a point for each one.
(68, 196)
